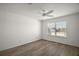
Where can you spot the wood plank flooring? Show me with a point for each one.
(42, 48)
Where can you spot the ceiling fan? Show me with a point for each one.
(47, 13)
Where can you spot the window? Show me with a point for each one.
(57, 29)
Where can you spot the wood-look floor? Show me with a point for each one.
(42, 48)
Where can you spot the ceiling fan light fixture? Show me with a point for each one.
(47, 13)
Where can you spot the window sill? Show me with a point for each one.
(57, 36)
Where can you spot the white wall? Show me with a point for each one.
(16, 29)
(72, 30)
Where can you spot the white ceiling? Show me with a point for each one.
(33, 10)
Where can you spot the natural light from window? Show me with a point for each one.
(57, 29)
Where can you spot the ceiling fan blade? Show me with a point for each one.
(49, 12)
(50, 15)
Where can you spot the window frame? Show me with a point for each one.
(65, 31)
